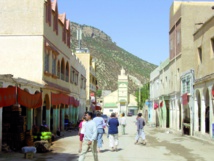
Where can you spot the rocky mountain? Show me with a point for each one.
(110, 58)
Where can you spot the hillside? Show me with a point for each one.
(110, 58)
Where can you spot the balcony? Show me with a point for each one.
(92, 87)
(92, 71)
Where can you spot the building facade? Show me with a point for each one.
(91, 79)
(35, 42)
(190, 68)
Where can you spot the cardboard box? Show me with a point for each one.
(29, 155)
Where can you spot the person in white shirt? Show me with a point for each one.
(123, 123)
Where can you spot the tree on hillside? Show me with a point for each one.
(144, 95)
(98, 93)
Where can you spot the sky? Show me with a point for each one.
(140, 27)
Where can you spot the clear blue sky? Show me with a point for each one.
(139, 26)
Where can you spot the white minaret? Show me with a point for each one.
(122, 92)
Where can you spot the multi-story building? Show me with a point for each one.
(159, 95)
(35, 46)
(91, 79)
(184, 18)
(204, 79)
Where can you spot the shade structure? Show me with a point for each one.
(7, 96)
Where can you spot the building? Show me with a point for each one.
(184, 20)
(91, 79)
(35, 47)
(204, 80)
(120, 101)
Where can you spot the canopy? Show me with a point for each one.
(7, 96)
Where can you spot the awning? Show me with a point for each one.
(7, 96)
(185, 99)
(76, 103)
(213, 92)
(57, 99)
(156, 106)
(29, 100)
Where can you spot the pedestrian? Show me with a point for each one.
(90, 136)
(140, 129)
(113, 132)
(100, 123)
(81, 132)
(123, 123)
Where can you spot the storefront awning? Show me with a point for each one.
(29, 100)
(59, 98)
(7, 96)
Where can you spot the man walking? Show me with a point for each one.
(123, 123)
(140, 131)
(90, 136)
(100, 124)
(113, 132)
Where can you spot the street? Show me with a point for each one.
(161, 145)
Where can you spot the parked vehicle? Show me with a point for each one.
(129, 114)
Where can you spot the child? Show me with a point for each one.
(81, 132)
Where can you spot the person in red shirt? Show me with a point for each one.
(81, 132)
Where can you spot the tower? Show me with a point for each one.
(122, 92)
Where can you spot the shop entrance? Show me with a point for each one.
(167, 114)
(199, 109)
(207, 112)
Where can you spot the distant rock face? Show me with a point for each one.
(110, 58)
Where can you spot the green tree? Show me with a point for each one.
(144, 95)
(98, 93)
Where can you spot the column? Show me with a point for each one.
(58, 117)
(195, 119)
(55, 126)
(171, 115)
(63, 118)
(29, 118)
(211, 112)
(70, 113)
(202, 115)
(48, 118)
(1, 109)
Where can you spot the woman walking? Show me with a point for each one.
(113, 132)
(123, 123)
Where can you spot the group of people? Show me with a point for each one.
(91, 130)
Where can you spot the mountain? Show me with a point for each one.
(110, 58)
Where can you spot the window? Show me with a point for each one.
(47, 61)
(48, 12)
(55, 25)
(171, 44)
(183, 86)
(68, 38)
(58, 69)
(200, 55)
(178, 36)
(212, 45)
(188, 84)
(54, 65)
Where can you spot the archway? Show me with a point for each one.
(67, 72)
(198, 96)
(167, 114)
(37, 115)
(207, 111)
(62, 69)
(58, 69)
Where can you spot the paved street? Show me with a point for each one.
(161, 146)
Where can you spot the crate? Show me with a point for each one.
(29, 155)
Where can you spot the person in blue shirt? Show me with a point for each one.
(100, 123)
(113, 132)
(90, 138)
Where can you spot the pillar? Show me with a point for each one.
(70, 113)
(195, 119)
(1, 108)
(211, 112)
(55, 120)
(58, 117)
(48, 115)
(29, 118)
(63, 118)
